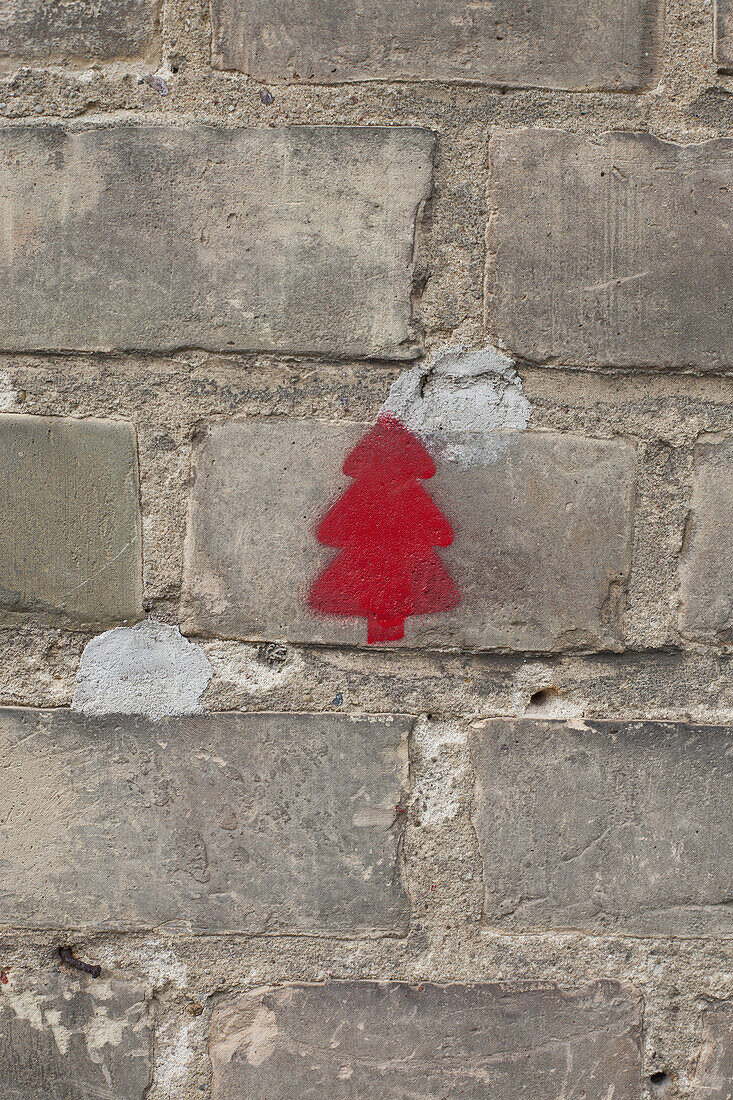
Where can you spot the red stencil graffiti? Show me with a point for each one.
(385, 526)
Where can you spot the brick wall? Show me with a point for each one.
(491, 858)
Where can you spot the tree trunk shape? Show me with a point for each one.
(385, 526)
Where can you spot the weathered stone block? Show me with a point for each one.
(541, 551)
(714, 1070)
(230, 822)
(63, 1037)
(724, 33)
(611, 251)
(707, 557)
(391, 1039)
(605, 826)
(561, 45)
(70, 531)
(36, 30)
(297, 239)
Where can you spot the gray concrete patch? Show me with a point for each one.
(461, 404)
(541, 552)
(606, 827)
(251, 822)
(37, 30)
(714, 1071)
(610, 251)
(149, 669)
(70, 528)
(297, 239)
(68, 1037)
(706, 564)
(558, 45)
(391, 1040)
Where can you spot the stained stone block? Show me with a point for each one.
(605, 826)
(66, 1037)
(228, 822)
(559, 44)
(707, 557)
(70, 528)
(611, 250)
(714, 1070)
(297, 239)
(56, 30)
(724, 33)
(541, 553)
(392, 1040)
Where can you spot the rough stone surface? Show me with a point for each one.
(70, 532)
(610, 251)
(297, 239)
(662, 674)
(559, 45)
(714, 1071)
(149, 669)
(258, 823)
(392, 1040)
(707, 560)
(724, 33)
(540, 557)
(66, 1037)
(43, 30)
(605, 826)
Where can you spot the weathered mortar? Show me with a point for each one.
(666, 672)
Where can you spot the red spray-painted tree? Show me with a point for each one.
(385, 526)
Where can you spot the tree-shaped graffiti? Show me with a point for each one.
(385, 526)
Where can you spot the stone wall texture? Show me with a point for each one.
(366, 567)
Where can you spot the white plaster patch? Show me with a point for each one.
(250, 669)
(175, 1053)
(8, 392)
(462, 404)
(442, 782)
(164, 966)
(148, 669)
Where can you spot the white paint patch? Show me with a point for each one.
(149, 669)
(462, 404)
(101, 1031)
(24, 1004)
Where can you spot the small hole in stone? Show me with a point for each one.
(542, 697)
(660, 1083)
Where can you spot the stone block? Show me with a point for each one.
(714, 1071)
(386, 1040)
(37, 30)
(541, 552)
(724, 33)
(706, 567)
(223, 823)
(622, 828)
(70, 529)
(560, 45)
(297, 239)
(67, 1037)
(610, 251)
